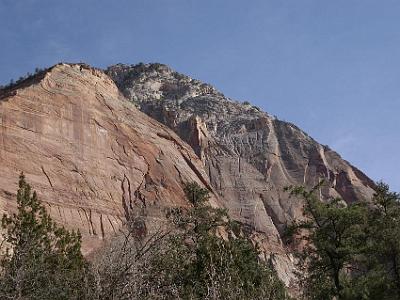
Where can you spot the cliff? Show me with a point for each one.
(249, 155)
(94, 159)
(104, 148)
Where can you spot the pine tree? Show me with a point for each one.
(41, 260)
(350, 251)
(333, 239)
(212, 258)
(381, 261)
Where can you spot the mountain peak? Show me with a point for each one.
(157, 81)
(70, 126)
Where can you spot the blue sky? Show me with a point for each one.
(331, 67)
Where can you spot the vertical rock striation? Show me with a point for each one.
(98, 162)
(95, 160)
(249, 155)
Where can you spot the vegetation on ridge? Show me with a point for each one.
(28, 75)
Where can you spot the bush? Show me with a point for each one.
(205, 256)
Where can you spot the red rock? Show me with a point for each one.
(93, 158)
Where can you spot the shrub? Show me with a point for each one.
(204, 256)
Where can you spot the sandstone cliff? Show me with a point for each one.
(249, 155)
(94, 159)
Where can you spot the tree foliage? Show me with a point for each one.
(204, 256)
(348, 251)
(215, 259)
(381, 260)
(201, 255)
(40, 260)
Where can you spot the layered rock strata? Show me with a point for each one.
(249, 155)
(94, 159)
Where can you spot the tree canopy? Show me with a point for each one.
(40, 260)
(349, 251)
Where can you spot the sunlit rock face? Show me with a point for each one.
(249, 155)
(102, 148)
(94, 159)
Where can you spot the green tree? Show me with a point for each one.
(211, 258)
(333, 240)
(381, 261)
(40, 259)
(202, 255)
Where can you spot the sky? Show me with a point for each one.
(330, 67)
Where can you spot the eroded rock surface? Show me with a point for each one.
(93, 158)
(97, 161)
(249, 155)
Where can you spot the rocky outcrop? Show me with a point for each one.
(97, 161)
(249, 155)
(94, 159)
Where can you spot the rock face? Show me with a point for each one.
(97, 161)
(93, 158)
(249, 155)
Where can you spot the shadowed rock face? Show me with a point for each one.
(93, 158)
(249, 155)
